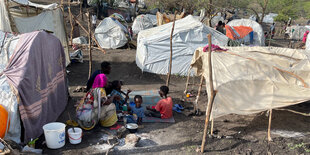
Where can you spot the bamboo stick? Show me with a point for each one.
(198, 95)
(170, 62)
(90, 43)
(211, 99)
(93, 37)
(269, 125)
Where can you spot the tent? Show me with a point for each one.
(258, 36)
(111, 34)
(33, 85)
(153, 45)
(308, 43)
(243, 34)
(249, 80)
(23, 16)
(296, 32)
(142, 22)
(269, 18)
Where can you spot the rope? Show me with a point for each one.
(293, 111)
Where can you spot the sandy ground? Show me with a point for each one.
(233, 134)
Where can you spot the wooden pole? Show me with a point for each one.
(187, 80)
(170, 62)
(90, 43)
(211, 99)
(81, 9)
(269, 125)
(64, 23)
(70, 19)
(86, 31)
(212, 125)
(198, 95)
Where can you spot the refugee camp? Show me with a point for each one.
(155, 77)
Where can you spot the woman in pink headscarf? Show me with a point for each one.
(304, 39)
(96, 106)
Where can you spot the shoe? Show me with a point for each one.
(179, 106)
(176, 109)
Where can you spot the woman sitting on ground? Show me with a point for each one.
(96, 106)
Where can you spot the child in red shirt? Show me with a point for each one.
(163, 108)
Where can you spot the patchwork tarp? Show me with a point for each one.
(51, 19)
(32, 82)
(153, 45)
(253, 79)
(111, 34)
(296, 32)
(243, 34)
(259, 37)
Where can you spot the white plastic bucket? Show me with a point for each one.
(75, 137)
(55, 135)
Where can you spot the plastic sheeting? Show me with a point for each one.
(7, 96)
(253, 79)
(111, 34)
(142, 22)
(153, 45)
(308, 43)
(4, 18)
(267, 19)
(50, 19)
(259, 38)
(296, 32)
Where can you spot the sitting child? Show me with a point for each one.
(163, 108)
(136, 109)
(117, 90)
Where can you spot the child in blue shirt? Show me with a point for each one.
(136, 109)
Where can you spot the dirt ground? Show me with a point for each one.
(233, 134)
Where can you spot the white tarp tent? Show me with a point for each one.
(111, 34)
(267, 19)
(308, 43)
(153, 45)
(259, 38)
(296, 32)
(253, 79)
(51, 19)
(142, 22)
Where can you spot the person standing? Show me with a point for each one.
(272, 30)
(94, 21)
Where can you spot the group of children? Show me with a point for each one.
(134, 112)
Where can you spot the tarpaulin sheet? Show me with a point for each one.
(36, 72)
(253, 79)
(153, 45)
(111, 34)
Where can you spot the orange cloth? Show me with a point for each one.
(164, 106)
(241, 30)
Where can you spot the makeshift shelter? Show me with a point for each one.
(308, 43)
(142, 22)
(153, 45)
(23, 16)
(253, 79)
(243, 34)
(33, 86)
(258, 33)
(269, 18)
(111, 34)
(296, 32)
